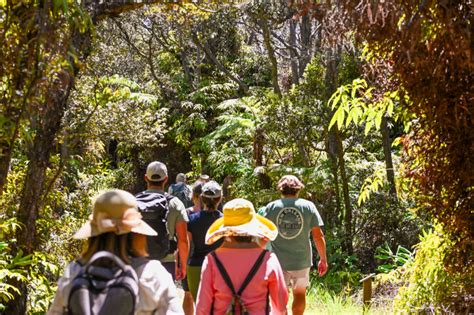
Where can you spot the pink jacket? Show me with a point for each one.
(238, 262)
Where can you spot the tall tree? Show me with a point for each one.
(67, 46)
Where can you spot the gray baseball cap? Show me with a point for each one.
(180, 178)
(211, 190)
(156, 171)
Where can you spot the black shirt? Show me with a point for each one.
(197, 226)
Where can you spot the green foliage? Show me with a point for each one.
(430, 287)
(343, 274)
(372, 184)
(393, 260)
(356, 103)
(10, 264)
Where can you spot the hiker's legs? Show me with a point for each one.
(299, 301)
(298, 280)
(188, 301)
(169, 266)
(194, 277)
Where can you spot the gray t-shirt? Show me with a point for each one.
(295, 218)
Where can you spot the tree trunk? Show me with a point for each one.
(337, 148)
(137, 170)
(8, 138)
(387, 145)
(348, 230)
(332, 154)
(295, 75)
(186, 70)
(32, 197)
(203, 46)
(46, 128)
(305, 35)
(271, 55)
(197, 71)
(258, 143)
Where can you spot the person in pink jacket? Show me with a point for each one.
(241, 277)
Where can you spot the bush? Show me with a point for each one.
(431, 288)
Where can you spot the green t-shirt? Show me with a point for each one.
(176, 213)
(295, 218)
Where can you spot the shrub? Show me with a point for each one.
(431, 288)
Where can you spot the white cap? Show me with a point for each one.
(156, 171)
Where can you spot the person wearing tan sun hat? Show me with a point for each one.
(241, 260)
(296, 219)
(116, 226)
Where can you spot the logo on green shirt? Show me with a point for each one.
(290, 223)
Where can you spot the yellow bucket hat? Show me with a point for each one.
(240, 219)
(114, 211)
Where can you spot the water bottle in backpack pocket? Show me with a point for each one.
(105, 285)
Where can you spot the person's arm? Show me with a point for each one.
(277, 286)
(64, 285)
(57, 307)
(163, 291)
(205, 296)
(320, 242)
(183, 249)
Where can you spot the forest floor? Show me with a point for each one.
(328, 304)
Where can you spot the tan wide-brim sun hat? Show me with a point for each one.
(240, 219)
(114, 211)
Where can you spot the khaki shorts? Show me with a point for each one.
(297, 279)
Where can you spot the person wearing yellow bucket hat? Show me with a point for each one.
(240, 276)
(116, 226)
(297, 219)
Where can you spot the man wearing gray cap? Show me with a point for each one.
(167, 215)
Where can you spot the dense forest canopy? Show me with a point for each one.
(370, 103)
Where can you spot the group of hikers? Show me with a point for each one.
(227, 258)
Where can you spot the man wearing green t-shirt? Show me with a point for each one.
(296, 218)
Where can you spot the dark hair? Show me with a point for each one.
(210, 203)
(243, 239)
(285, 190)
(156, 183)
(197, 188)
(125, 246)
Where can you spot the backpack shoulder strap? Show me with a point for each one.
(169, 197)
(253, 271)
(223, 272)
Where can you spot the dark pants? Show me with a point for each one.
(170, 267)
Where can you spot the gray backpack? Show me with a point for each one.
(183, 193)
(108, 288)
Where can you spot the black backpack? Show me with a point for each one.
(108, 288)
(237, 306)
(183, 193)
(154, 208)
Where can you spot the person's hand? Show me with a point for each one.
(322, 267)
(180, 272)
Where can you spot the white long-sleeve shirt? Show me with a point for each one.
(157, 293)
